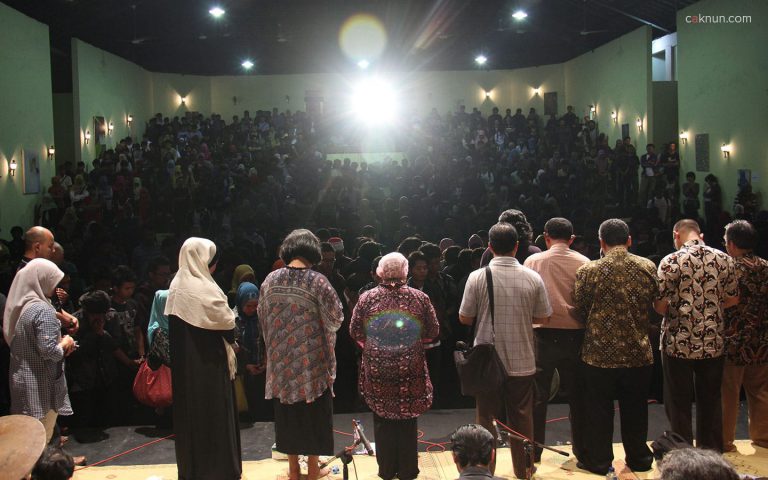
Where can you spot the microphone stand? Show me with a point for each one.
(345, 454)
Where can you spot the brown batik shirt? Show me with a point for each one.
(695, 280)
(746, 324)
(614, 296)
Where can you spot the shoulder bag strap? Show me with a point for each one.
(489, 283)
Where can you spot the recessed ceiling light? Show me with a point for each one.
(217, 12)
(481, 59)
(519, 15)
(247, 64)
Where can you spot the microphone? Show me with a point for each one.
(498, 432)
(363, 440)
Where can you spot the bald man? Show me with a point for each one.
(38, 243)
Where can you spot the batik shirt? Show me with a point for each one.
(614, 296)
(299, 313)
(746, 324)
(392, 323)
(695, 280)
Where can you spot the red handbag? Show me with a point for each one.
(153, 387)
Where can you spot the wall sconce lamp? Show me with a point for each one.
(184, 101)
(110, 128)
(615, 117)
(683, 137)
(537, 91)
(51, 152)
(592, 109)
(726, 149)
(12, 166)
(87, 137)
(129, 119)
(487, 94)
(639, 123)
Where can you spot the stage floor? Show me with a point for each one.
(144, 453)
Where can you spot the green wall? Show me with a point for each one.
(722, 71)
(167, 90)
(108, 86)
(26, 123)
(615, 77)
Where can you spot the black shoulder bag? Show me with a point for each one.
(479, 367)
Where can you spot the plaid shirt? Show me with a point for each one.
(37, 376)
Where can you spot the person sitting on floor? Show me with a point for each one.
(695, 464)
(54, 464)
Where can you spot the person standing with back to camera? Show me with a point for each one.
(201, 329)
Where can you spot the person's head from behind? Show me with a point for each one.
(392, 269)
(740, 237)
(685, 230)
(472, 446)
(614, 233)
(303, 245)
(558, 230)
(502, 239)
(519, 220)
(695, 464)
(54, 464)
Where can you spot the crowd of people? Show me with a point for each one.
(112, 236)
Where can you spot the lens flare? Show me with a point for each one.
(362, 36)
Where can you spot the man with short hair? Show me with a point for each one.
(651, 171)
(614, 296)
(558, 345)
(520, 300)
(691, 463)
(697, 284)
(746, 335)
(38, 243)
(473, 452)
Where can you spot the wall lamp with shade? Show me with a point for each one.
(184, 101)
(615, 117)
(726, 149)
(12, 166)
(87, 137)
(51, 152)
(639, 123)
(592, 112)
(129, 119)
(537, 91)
(487, 94)
(110, 128)
(683, 137)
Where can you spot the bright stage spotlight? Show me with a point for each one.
(363, 64)
(481, 59)
(217, 12)
(374, 102)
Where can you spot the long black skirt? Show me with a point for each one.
(204, 412)
(305, 428)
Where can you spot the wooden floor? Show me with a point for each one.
(434, 466)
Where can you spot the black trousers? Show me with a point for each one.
(396, 448)
(601, 387)
(559, 349)
(686, 380)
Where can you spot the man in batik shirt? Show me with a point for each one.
(697, 283)
(614, 296)
(746, 338)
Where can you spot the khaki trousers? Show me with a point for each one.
(754, 378)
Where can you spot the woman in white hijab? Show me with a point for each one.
(37, 381)
(201, 333)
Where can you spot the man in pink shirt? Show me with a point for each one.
(558, 345)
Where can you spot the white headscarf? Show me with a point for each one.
(33, 283)
(196, 298)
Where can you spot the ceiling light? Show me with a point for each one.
(519, 15)
(216, 12)
(247, 64)
(363, 64)
(481, 59)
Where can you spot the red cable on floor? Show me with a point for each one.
(125, 452)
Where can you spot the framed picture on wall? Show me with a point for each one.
(31, 171)
(550, 103)
(702, 152)
(100, 130)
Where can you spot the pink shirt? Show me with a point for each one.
(557, 267)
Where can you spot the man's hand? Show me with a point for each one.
(67, 344)
(68, 322)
